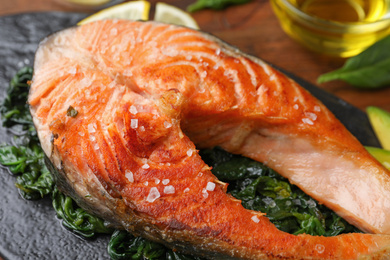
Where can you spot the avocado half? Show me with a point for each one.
(380, 122)
(383, 156)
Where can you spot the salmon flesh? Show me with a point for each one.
(121, 108)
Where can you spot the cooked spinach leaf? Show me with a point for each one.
(369, 69)
(25, 159)
(77, 219)
(14, 108)
(123, 246)
(214, 4)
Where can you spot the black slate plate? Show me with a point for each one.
(30, 229)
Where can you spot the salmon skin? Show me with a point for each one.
(120, 105)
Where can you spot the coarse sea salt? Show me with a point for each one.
(169, 189)
(167, 124)
(153, 195)
(134, 123)
(128, 73)
(130, 176)
(186, 189)
(145, 166)
(133, 110)
(72, 71)
(307, 121)
(317, 108)
(85, 82)
(112, 84)
(91, 128)
(165, 181)
(157, 181)
(296, 106)
(114, 31)
(210, 186)
(310, 115)
(205, 193)
(189, 152)
(255, 219)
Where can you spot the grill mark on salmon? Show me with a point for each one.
(146, 93)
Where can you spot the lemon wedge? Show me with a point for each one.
(89, 2)
(139, 10)
(170, 14)
(133, 10)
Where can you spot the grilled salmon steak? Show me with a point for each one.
(121, 108)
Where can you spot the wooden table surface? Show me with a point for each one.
(253, 28)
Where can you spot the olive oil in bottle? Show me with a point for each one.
(336, 27)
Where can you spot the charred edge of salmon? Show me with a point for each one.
(64, 185)
(143, 226)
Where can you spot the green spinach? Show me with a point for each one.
(213, 4)
(369, 69)
(14, 108)
(77, 219)
(26, 158)
(123, 246)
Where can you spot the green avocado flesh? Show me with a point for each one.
(383, 156)
(380, 122)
